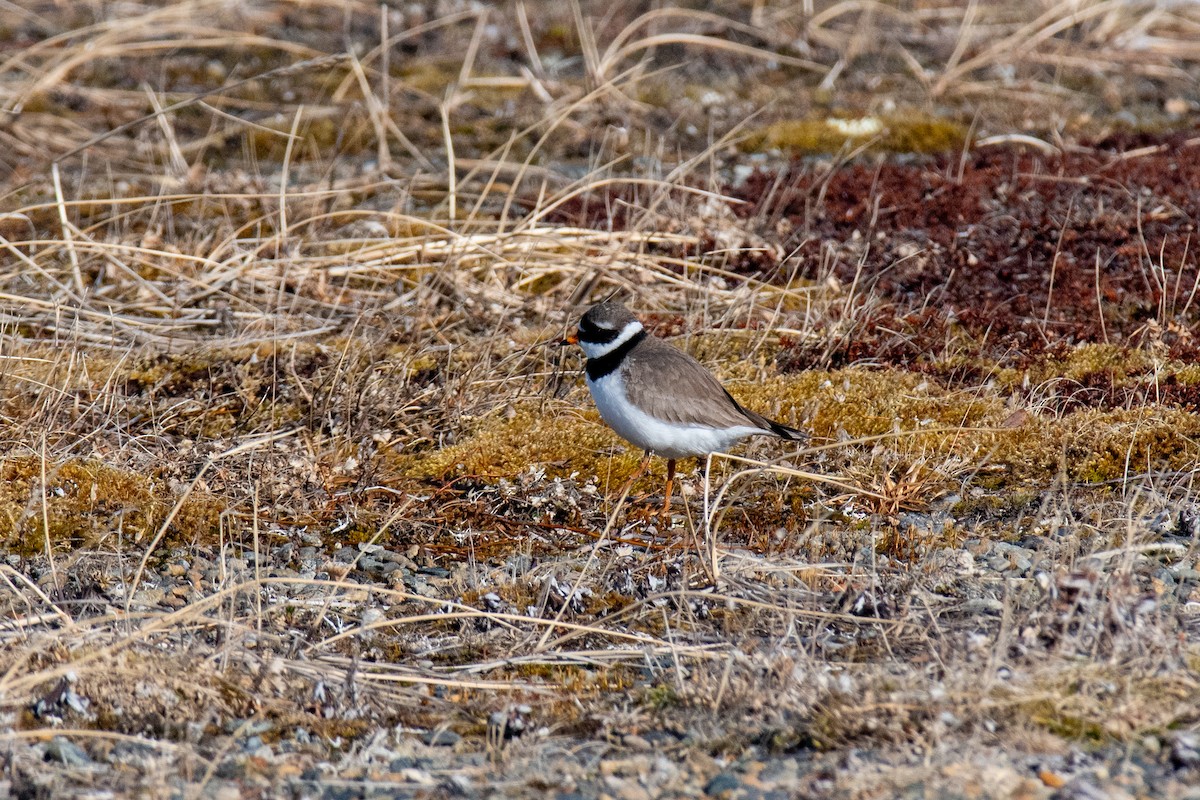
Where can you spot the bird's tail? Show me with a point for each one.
(770, 426)
(784, 432)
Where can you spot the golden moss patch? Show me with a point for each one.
(342, 128)
(84, 503)
(907, 133)
(1074, 706)
(915, 420)
(561, 440)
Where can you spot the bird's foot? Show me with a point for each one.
(652, 512)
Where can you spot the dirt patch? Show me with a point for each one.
(1019, 251)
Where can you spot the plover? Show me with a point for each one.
(659, 398)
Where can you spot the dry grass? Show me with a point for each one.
(284, 448)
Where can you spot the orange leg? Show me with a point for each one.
(667, 493)
(645, 465)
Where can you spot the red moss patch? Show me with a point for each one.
(1022, 250)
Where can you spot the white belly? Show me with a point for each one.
(665, 439)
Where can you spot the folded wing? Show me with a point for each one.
(696, 397)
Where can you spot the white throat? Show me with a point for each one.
(596, 350)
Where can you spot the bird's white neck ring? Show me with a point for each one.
(598, 350)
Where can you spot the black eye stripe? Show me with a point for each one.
(594, 335)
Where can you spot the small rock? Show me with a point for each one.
(231, 769)
(340, 793)
(1082, 789)
(723, 785)
(782, 772)
(147, 597)
(635, 742)
(1185, 751)
(417, 585)
(661, 738)
(223, 790)
(418, 776)
(65, 751)
(441, 738)
(369, 564)
(132, 753)
(458, 785)
(252, 728)
(625, 789)
(1164, 576)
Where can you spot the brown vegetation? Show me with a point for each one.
(294, 495)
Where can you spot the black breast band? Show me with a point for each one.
(606, 364)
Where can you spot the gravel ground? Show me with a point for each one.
(171, 745)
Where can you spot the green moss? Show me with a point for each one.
(907, 133)
(656, 94)
(430, 76)
(1095, 705)
(661, 696)
(558, 35)
(544, 283)
(1119, 443)
(1188, 374)
(1048, 715)
(923, 135)
(1120, 362)
(1116, 364)
(863, 403)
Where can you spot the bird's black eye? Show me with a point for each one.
(595, 334)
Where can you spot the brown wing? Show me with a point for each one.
(674, 387)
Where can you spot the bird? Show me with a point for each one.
(659, 398)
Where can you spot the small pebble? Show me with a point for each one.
(441, 738)
(65, 751)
